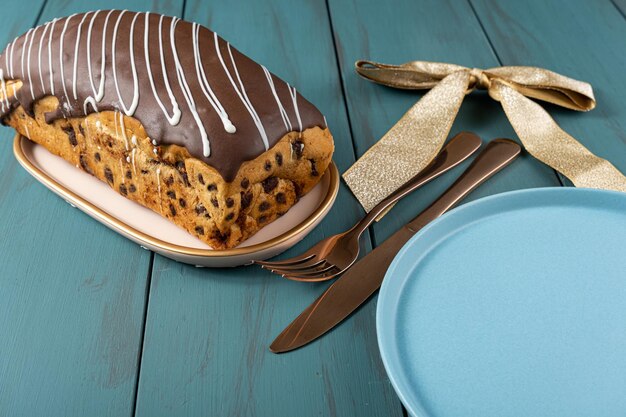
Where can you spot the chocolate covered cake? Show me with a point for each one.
(169, 115)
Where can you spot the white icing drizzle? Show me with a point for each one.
(61, 58)
(43, 35)
(133, 140)
(204, 83)
(26, 129)
(281, 108)
(242, 94)
(30, 47)
(5, 94)
(206, 147)
(325, 122)
(30, 31)
(176, 113)
(294, 99)
(54, 21)
(123, 128)
(12, 48)
(76, 52)
(6, 55)
(158, 176)
(98, 93)
(132, 157)
(133, 106)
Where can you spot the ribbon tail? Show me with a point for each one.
(550, 144)
(409, 145)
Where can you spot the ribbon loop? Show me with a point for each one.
(419, 135)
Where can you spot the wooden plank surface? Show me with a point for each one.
(72, 292)
(586, 41)
(208, 331)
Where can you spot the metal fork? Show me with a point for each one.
(333, 255)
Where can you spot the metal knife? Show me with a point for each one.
(365, 277)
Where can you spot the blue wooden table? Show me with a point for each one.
(93, 325)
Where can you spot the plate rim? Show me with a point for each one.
(387, 353)
(124, 228)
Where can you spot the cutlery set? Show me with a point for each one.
(338, 254)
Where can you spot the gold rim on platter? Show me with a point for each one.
(119, 225)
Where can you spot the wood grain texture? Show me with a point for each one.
(208, 331)
(584, 40)
(432, 30)
(72, 292)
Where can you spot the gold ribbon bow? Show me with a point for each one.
(419, 135)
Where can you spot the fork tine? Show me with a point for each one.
(322, 269)
(315, 276)
(313, 263)
(286, 262)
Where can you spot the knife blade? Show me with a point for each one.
(362, 280)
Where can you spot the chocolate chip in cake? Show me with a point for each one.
(262, 219)
(279, 158)
(200, 209)
(129, 175)
(180, 166)
(108, 175)
(169, 181)
(82, 131)
(214, 202)
(71, 135)
(245, 183)
(230, 216)
(110, 143)
(208, 216)
(246, 199)
(182, 202)
(298, 188)
(211, 187)
(314, 172)
(280, 198)
(172, 210)
(144, 171)
(171, 194)
(269, 184)
(200, 179)
(297, 147)
(83, 163)
(123, 189)
(132, 188)
(229, 202)
(199, 230)
(268, 165)
(97, 156)
(264, 206)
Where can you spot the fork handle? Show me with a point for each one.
(496, 155)
(460, 147)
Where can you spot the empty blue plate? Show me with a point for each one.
(512, 305)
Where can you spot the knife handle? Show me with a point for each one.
(496, 155)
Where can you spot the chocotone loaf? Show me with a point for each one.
(169, 115)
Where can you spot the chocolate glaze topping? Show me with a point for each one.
(185, 84)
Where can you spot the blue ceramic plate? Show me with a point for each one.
(513, 305)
